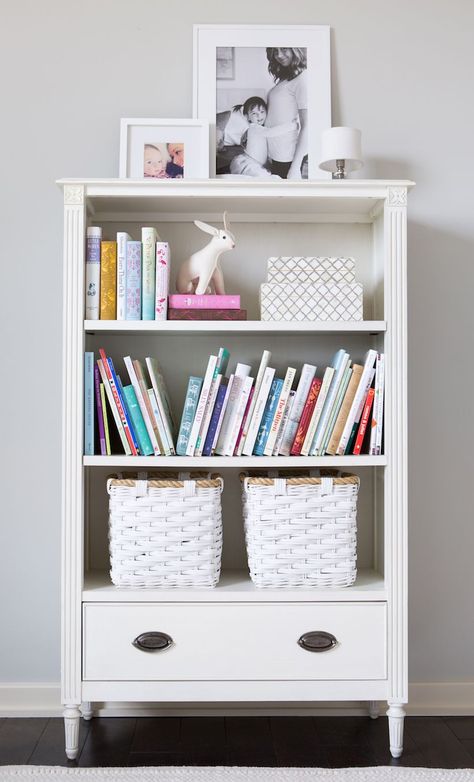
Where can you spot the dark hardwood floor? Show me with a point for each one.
(240, 741)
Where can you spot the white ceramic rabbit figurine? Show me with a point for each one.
(202, 267)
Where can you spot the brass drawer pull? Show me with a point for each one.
(317, 641)
(153, 642)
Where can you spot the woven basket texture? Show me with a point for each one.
(165, 530)
(301, 530)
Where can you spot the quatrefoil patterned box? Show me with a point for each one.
(311, 302)
(309, 269)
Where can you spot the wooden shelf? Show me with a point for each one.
(234, 585)
(233, 327)
(242, 462)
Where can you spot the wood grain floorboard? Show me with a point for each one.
(437, 743)
(49, 750)
(18, 739)
(108, 742)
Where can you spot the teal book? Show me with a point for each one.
(267, 418)
(189, 411)
(88, 403)
(140, 430)
(335, 411)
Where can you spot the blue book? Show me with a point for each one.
(189, 410)
(89, 403)
(118, 387)
(146, 448)
(206, 451)
(267, 418)
(133, 281)
(339, 363)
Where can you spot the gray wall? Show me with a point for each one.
(402, 72)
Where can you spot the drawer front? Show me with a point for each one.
(232, 641)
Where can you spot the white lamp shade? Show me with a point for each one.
(341, 144)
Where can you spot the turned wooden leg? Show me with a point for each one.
(86, 710)
(396, 716)
(72, 716)
(373, 709)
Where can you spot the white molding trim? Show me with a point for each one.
(428, 699)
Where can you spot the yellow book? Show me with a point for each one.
(108, 280)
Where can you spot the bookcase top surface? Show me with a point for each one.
(356, 197)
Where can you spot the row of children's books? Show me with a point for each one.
(339, 413)
(126, 279)
(139, 412)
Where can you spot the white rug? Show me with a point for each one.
(234, 774)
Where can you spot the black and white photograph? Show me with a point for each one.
(262, 113)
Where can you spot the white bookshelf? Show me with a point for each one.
(364, 219)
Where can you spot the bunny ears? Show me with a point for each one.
(209, 229)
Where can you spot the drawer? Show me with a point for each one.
(233, 641)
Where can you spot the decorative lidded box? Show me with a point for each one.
(311, 288)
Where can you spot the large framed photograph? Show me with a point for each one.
(164, 148)
(266, 92)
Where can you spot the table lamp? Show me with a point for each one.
(340, 151)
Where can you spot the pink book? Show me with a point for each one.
(209, 301)
(162, 280)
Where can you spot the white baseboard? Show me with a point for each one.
(425, 699)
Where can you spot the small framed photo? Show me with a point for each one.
(266, 92)
(164, 148)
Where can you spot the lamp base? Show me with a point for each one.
(340, 172)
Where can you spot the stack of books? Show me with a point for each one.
(126, 279)
(205, 307)
(262, 415)
(140, 411)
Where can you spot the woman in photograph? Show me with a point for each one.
(287, 101)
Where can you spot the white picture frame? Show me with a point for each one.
(313, 39)
(164, 135)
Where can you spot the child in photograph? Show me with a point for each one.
(242, 134)
(155, 160)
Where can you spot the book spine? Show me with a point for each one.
(94, 236)
(108, 280)
(122, 238)
(264, 361)
(335, 410)
(267, 419)
(177, 314)
(106, 421)
(161, 398)
(363, 422)
(88, 403)
(211, 301)
(159, 422)
(112, 378)
(221, 392)
(286, 415)
(258, 411)
(142, 384)
(280, 409)
(133, 281)
(144, 441)
(357, 402)
(289, 433)
(113, 407)
(228, 435)
(125, 409)
(377, 413)
(211, 401)
(306, 416)
(205, 390)
(129, 364)
(149, 239)
(189, 410)
(241, 405)
(345, 408)
(246, 412)
(162, 280)
(100, 412)
(318, 409)
(353, 433)
(339, 365)
(222, 413)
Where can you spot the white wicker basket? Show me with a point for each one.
(165, 530)
(301, 530)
